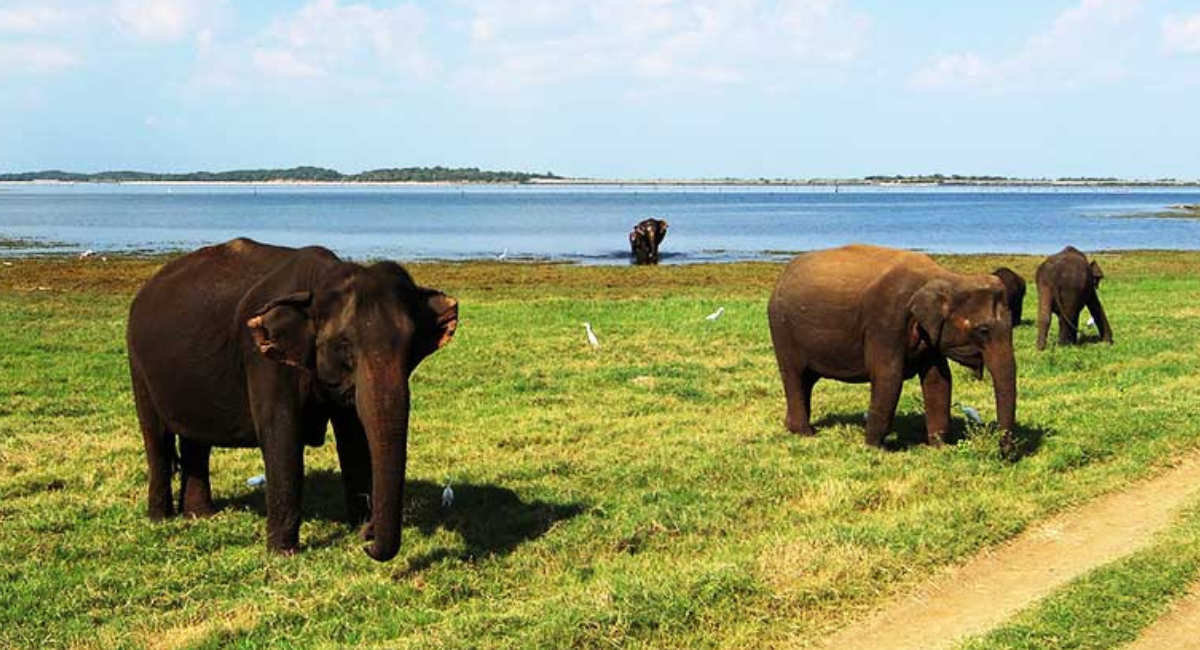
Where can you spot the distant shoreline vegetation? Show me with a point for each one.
(293, 175)
(469, 175)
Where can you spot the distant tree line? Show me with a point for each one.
(304, 174)
(936, 178)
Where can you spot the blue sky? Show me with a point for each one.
(613, 88)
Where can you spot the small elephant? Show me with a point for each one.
(1066, 283)
(1014, 292)
(870, 314)
(645, 239)
(249, 345)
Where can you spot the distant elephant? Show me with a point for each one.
(249, 345)
(1014, 292)
(1067, 283)
(869, 314)
(645, 239)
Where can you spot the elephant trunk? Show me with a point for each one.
(383, 402)
(1002, 365)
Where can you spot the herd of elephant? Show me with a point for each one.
(244, 344)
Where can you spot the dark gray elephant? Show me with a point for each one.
(1014, 292)
(249, 345)
(645, 238)
(1067, 282)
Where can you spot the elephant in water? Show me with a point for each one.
(1067, 282)
(249, 345)
(645, 239)
(869, 314)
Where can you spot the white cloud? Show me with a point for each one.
(30, 18)
(326, 35)
(1181, 34)
(30, 57)
(1087, 43)
(283, 63)
(341, 43)
(659, 41)
(162, 21)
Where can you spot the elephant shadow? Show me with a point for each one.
(908, 431)
(491, 520)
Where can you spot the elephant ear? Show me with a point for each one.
(284, 331)
(930, 306)
(1097, 274)
(440, 321)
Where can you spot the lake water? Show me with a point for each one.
(590, 224)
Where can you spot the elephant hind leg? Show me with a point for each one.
(1068, 322)
(1045, 309)
(195, 490)
(798, 387)
(160, 451)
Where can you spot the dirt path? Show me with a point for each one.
(977, 596)
(1178, 629)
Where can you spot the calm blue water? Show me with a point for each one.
(590, 225)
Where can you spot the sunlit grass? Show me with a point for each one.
(643, 494)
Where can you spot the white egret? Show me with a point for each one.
(502, 256)
(447, 496)
(971, 413)
(716, 314)
(592, 340)
(257, 480)
(86, 254)
(1091, 321)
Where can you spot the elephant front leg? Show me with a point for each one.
(935, 391)
(284, 463)
(885, 395)
(354, 457)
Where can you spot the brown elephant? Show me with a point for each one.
(1067, 282)
(249, 345)
(870, 314)
(1014, 292)
(645, 238)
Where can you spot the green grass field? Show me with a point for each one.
(642, 495)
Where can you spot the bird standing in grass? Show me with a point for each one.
(971, 413)
(502, 256)
(1091, 321)
(592, 340)
(715, 315)
(447, 496)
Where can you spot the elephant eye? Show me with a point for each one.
(983, 331)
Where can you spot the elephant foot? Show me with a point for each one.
(202, 511)
(804, 429)
(937, 439)
(367, 532)
(160, 513)
(283, 548)
(1008, 446)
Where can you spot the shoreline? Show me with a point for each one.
(634, 182)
